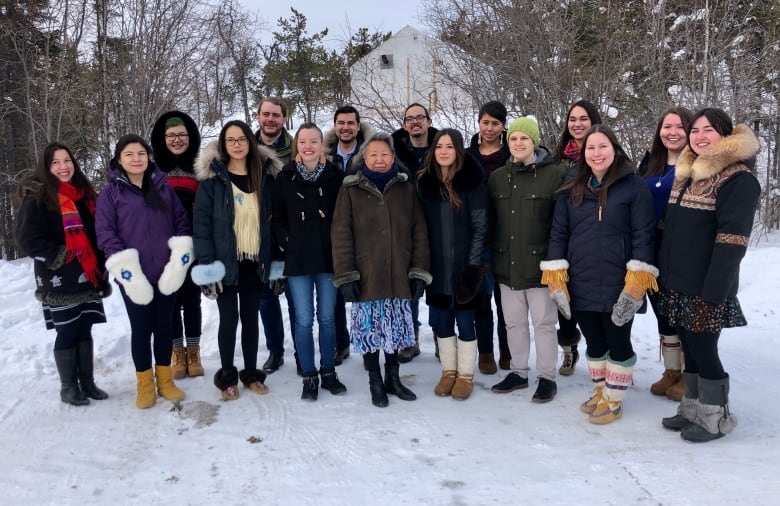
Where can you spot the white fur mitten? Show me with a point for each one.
(175, 271)
(126, 269)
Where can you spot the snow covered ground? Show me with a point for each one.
(277, 449)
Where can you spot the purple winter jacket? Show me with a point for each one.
(123, 220)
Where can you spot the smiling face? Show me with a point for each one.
(177, 140)
(379, 156)
(236, 143)
(490, 128)
(521, 147)
(578, 123)
(134, 160)
(703, 135)
(445, 153)
(309, 146)
(416, 122)
(672, 133)
(599, 154)
(62, 166)
(347, 127)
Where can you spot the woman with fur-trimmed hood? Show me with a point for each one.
(232, 239)
(706, 230)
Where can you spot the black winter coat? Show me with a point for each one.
(213, 236)
(40, 235)
(457, 236)
(598, 245)
(302, 219)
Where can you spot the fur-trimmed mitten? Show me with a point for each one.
(209, 278)
(175, 271)
(468, 285)
(555, 275)
(640, 277)
(126, 269)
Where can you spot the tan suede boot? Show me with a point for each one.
(146, 398)
(194, 367)
(448, 355)
(672, 356)
(464, 384)
(179, 362)
(165, 385)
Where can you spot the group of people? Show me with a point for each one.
(574, 238)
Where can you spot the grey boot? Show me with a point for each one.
(66, 367)
(713, 419)
(85, 362)
(686, 411)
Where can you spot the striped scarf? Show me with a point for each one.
(571, 151)
(76, 240)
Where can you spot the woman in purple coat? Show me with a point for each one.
(144, 232)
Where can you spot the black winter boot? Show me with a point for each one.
(394, 386)
(331, 383)
(85, 359)
(377, 387)
(310, 388)
(66, 367)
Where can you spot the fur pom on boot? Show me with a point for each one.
(227, 384)
(713, 419)
(254, 380)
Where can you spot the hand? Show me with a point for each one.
(211, 291)
(625, 308)
(278, 286)
(350, 291)
(175, 271)
(126, 269)
(417, 287)
(561, 299)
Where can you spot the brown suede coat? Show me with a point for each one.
(379, 239)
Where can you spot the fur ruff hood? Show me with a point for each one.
(331, 140)
(741, 146)
(211, 153)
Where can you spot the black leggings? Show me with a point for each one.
(153, 319)
(240, 301)
(187, 309)
(603, 336)
(701, 353)
(72, 335)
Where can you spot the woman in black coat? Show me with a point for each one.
(304, 199)
(601, 249)
(451, 185)
(56, 227)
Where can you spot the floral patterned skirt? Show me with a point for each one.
(384, 324)
(692, 313)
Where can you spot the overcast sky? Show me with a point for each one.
(341, 17)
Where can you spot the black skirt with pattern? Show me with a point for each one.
(695, 315)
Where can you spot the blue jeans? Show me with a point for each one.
(443, 323)
(302, 290)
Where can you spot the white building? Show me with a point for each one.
(404, 69)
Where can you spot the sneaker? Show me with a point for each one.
(510, 383)
(570, 358)
(545, 392)
(310, 388)
(341, 355)
(274, 362)
(230, 393)
(331, 383)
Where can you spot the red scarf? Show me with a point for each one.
(571, 151)
(76, 240)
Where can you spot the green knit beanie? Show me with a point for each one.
(527, 125)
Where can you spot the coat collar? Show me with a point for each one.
(740, 146)
(205, 168)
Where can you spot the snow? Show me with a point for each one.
(276, 449)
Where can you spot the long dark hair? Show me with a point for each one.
(151, 196)
(50, 185)
(254, 161)
(430, 165)
(579, 183)
(595, 119)
(656, 162)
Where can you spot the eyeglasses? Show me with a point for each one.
(241, 141)
(418, 118)
(180, 136)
